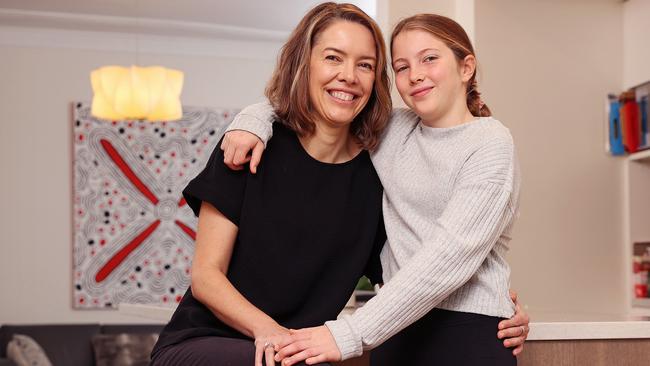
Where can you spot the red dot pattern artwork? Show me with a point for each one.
(134, 233)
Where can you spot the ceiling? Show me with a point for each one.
(274, 15)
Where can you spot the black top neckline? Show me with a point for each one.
(308, 156)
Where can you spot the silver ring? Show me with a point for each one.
(268, 344)
(523, 330)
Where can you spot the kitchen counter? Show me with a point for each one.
(586, 339)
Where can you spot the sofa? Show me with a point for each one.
(71, 344)
(68, 344)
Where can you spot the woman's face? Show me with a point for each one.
(427, 74)
(342, 72)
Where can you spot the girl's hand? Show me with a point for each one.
(266, 340)
(236, 147)
(313, 345)
(515, 330)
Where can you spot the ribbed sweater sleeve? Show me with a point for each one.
(457, 244)
(257, 119)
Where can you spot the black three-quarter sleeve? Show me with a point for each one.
(373, 268)
(219, 186)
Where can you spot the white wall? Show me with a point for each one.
(636, 45)
(37, 84)
(390, 12)
(548, 66)
(546, 70)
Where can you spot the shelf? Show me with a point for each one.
(643, 155)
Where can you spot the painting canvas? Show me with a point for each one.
(133, 232)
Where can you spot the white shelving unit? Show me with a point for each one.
(640, 156)
(636, 219)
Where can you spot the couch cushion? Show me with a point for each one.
(125, 349)
(64, 344)
(25, 351)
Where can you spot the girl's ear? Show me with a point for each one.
(467, 67)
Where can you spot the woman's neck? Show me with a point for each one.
(330, 144)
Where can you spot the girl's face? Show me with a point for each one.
(342, 72)
(428, 76)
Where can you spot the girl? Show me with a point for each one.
(450, 198)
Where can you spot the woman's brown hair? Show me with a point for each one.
(455, 37)
(288, 89)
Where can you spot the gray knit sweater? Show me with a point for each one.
(450, 200)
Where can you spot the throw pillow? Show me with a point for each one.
(25, 351)
(123, 349)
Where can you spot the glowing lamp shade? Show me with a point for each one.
(149, 93)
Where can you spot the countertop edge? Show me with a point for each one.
(589, 330)
(539, 331)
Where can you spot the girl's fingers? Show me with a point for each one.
(512, 332)
(256, 156)
(225, 142)
(293, 338)
(318, 359)
(287, 351)
(240, 156)
(514, 342)
(300, 356)
(517, 320)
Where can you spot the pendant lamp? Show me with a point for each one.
(144, 93)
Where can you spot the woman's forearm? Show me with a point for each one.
(215, 240)
(212, 288)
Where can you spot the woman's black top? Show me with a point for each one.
(307, 231)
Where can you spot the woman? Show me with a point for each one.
(450, 199)
(269, 246)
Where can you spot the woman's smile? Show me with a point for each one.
(343, 96)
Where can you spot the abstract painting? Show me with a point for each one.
(133, 232)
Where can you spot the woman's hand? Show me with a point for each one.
(267, 338)
(236, 147)
(313, 345)
(515, 329)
